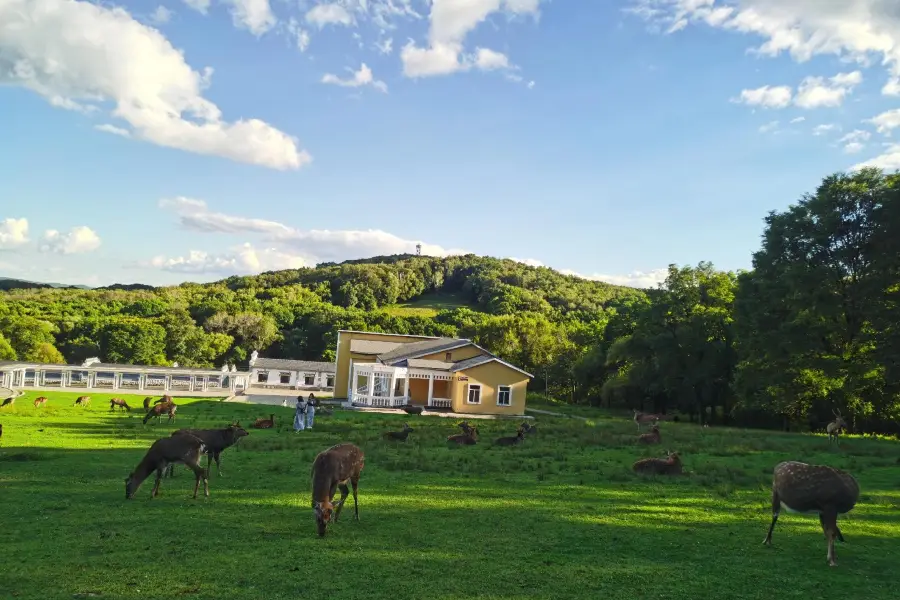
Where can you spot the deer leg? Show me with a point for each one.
(776, 508)
(355, 483)
(829, 525)
(199, 473)
(344, 493)
(218, 465)
(156, 483)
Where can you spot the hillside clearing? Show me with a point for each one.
(559, 516)
(428, 306)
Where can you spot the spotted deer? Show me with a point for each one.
(641, 419)
(511, 440)
(836, 427)
(119, 403)
(185, 449)
(215, 441)
(671, 465)
(331, 470)
(157, 410)
(82, 401)
(468, 438)
(147, 402)
(40, 401)
(654, 437)
(813, 489)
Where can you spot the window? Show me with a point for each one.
(474, 393)
(329, 381)
(309, 379)
(504, 395)
(262, 377)
(448, 356)
(285, 377)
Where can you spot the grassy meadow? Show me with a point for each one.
(429, 305)
(560, 516)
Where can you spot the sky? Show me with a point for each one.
(189, 140)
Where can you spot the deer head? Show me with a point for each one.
(839, 419)
(324, 511)
(406, 427)
(130, 487)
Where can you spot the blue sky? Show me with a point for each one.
(194, 139)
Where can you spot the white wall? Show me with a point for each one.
(297, 378)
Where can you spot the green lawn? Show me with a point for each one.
(560, 516)
(428, 305)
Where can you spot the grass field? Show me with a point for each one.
(561, 516)
(428, 305)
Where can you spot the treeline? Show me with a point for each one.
(812, 328)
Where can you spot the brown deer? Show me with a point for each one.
(264, 423)
(164, 399)
(398, 435)
(215, 441)
(82, 401)
(176, 449)
(643, 418)
(40, 401)
(654, 437)
(331, 470)
(467, 438)
(659, 466)
(465, 426)
(411, 409)
(147, 401)
(157, 410)
(119, 402)
(513, 440)
(9, 401)
(813, 489)
(836, 427)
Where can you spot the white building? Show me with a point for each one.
(290, 374)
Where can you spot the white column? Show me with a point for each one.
(430, 387)
(141, 380)
(167, 382)
(406, 388)
(370, 387)
(116, 378)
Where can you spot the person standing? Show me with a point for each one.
(300, 414)
(311, 404)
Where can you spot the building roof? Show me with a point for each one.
(294, 365)
(477, 361)
(116, 367)
(417, 349)
(421, 337)
(372, 347)
(421, 363)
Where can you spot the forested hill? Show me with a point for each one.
(813, 328)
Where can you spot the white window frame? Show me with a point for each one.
(504, 388)
(469, 388)
(264, 375)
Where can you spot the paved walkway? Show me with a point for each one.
(7, 393)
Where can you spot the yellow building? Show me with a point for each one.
(390, 370)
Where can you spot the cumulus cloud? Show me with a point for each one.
(797, 120)
(892, 87)
(531, 262)
(359, 78)
(329, 14)
(385, 46)
(636, 279)
(240, 260)
(13, 233)
(766, 97)
(818, 92)
(887, 121)
(107, 128)
(855, 141)
(889, 160)
(161, 15)
(823, 129)
(77, 54)
(256, 16)
(201, 6)
(77, 240)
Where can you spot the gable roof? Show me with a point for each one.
(372, 347)
(417, 349)
(421, 337)
(477, 361)
(421, 363)
(294, 365)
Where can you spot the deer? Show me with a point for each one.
(147, 401)
(264, 423)
(165, 398)
(398, 435)
(512, 440)
(119, 402)
(9, 401)
(813, 489)
(465, 426)
(185, 449)
(158, 409)
(331, 470)
(40, 401)
(654, 437)
(215, 442)
(835, 428)
(642, 418)
(671, 465)
(412, 410)
(82, 401)
(467, 438)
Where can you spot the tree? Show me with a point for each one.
(133, 341)
(6, 350)
(47, 353)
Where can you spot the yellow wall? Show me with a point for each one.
(490, 376)
(342, 376)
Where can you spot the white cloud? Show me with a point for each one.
(329, 14)
(486, 59)
(531, 262)
(889, 160)
(161, 15)
(359, 79)
(300, 35)
(766, 97)
(86, 54)
(855, 141)
(797, 120)
(637, 279)
(451, 22)
(818, 92)
(385, 47)
(77, 241)
(201, 6)
(892, 87)
(107, 128)
(13, 233)
(771, 126)
(241, 260)
(823, 129)
(887, 121)
(254, 15)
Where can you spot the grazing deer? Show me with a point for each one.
(164, 399)
(114, 402)
(176, 449)
(659, 466)
(264, 423)
(40, 401)
(215, 441)
(158, 409)
(82, 401)
(147, 401)
(836, 427)
(468, 438)
(813, 489)
(513, 440)
(9, 401)
(331, 470)
(654, 437)
(412, 409)
(398, 435)
(642, 418)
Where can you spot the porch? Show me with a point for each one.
(381, 386)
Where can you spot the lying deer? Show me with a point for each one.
(157, 411)
(398, 435)
(331, 470)
(118, 402)
(411, 409)
(467, 438)
(82, 401)
(40, 401)
(215, 441)
(264, 423)
(813, 489)
(836, 427)
(659, 466)
(654, 437)
(513, 440)
(176, 449)
(9, 401)
(643, 418)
